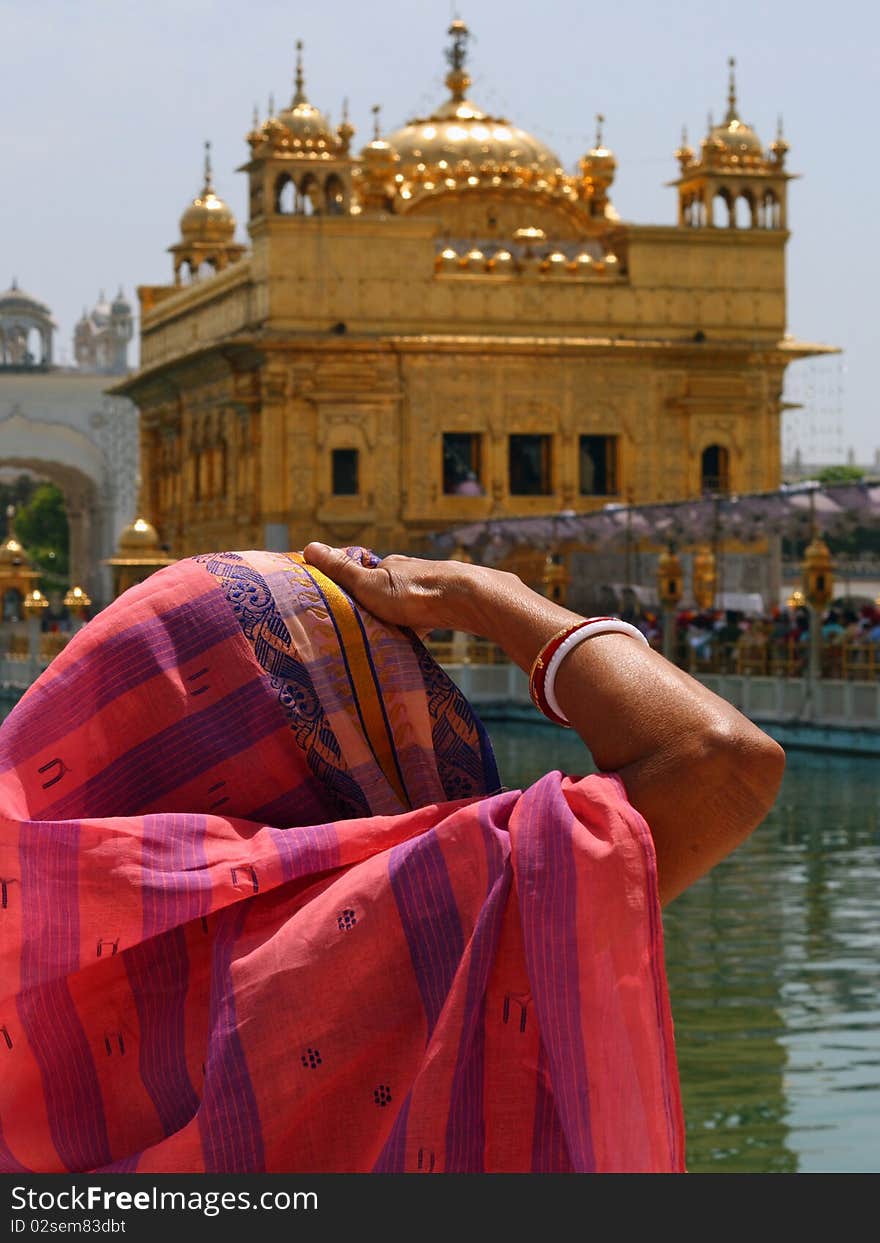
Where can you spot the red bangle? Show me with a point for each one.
(538, 672)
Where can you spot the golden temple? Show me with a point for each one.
(447, 325)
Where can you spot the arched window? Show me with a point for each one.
(721, 213)
(309, 198)
(285, 196)
(334, 196)
(715, 469)
(742, 211)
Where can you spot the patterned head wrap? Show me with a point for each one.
(250, 684)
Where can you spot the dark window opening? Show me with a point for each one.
(598, 466)
(715, 469)
(530, 465)
(461, 464)
(345, 472)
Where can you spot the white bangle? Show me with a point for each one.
(608, 625)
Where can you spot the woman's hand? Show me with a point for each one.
(409, 591)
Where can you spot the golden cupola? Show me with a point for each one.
(732, 142)
(301, 125)
(598, 167)
(377, 172)
(207, 233)
(299, 164)
(208, 218)
(732, 181)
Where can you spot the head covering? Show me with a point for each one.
(265, 908)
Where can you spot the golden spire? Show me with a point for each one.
(271, 105)
(346, 129)
(685, 152)
(600, 121)
(376, 110)
(458, 79)
(209, 185)
(779, 146)
(300, 95)
(732, 114)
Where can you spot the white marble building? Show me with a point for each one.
(60, 424)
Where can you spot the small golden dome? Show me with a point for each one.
(599, 164)
(555, 263)
(11, 552)
(306, 127)
(207, 219)
(139, 535)
(379, 156)
(447, 260)
(501, 261)
(733, 141)
(684, 153)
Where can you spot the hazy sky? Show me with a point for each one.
(105, 105)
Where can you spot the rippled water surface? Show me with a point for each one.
(774, 970)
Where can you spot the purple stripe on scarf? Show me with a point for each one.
(173, 757)
(429, 915)
(128, 659)
(392, 1158)
(466, 1126)
(432, 926)
(50, 938)
(229, 1120)
(549, 1153)
(158, 969)
(655, 924)
(8, 1163)
(544, 862)
(306, 851)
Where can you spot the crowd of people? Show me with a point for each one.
(735, 641)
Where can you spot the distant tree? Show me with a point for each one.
(17, 494)
(840, 474)
(41, 526)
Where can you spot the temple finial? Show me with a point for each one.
(458, 79)
(300, 96)
(209, 186)
(600, 121)
(376, 110)
(731, 90)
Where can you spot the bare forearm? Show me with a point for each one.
(701, 773)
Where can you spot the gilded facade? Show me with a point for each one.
(447, 325)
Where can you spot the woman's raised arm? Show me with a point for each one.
(702, 774)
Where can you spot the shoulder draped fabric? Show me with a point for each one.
(265, 907)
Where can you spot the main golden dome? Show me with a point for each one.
(208, 218)
(459, 142)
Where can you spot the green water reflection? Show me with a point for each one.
(773, 969)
